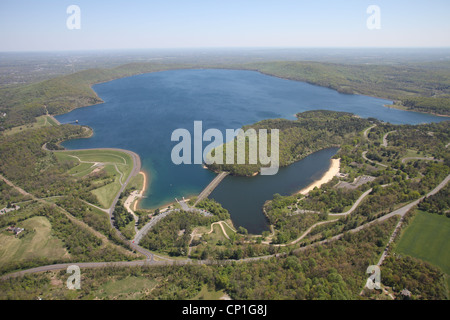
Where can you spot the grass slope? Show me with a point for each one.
(116, 163)
(426, 238)
(37, 241)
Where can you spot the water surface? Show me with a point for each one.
(141, 112)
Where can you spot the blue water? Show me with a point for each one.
(141, 112)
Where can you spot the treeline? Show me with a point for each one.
(336, 270)
(215, 208)
(435, 105)
(423, 280)
(173, 233)
(438, 203)
(63, 94)
(9, 195)
(122, 221)
(311, 132)
(384, 81)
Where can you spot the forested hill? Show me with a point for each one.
(419, 87)
(311, 132)
(416, 87)
(63, 94)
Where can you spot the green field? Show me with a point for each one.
(41, 121)
(206, 294)
(36, 241)
(117, 164)
(426, 238)
(130, 288)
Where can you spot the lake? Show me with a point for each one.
(141, 112)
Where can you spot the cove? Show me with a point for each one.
(141, 112)
(244, 197)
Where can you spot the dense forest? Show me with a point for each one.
(311, 132)
(434, 105)
(438, 203)
(173, 233)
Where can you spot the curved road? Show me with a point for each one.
(401, 212)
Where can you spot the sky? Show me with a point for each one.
(30, 25)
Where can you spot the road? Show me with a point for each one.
(355, 205)
(151, 224)
(150, 256)
(366, 132)
(385, 141)
(365, 158)
(207, 191)
(401, 212)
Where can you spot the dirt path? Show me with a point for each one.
(385, 141)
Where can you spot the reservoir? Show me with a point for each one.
(141, 112)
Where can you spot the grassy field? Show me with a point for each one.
(41, 121)
(137, 182)
(228, 230)
(426, 238)
(36, 241)
(130, 288)
(117, 164)
(206, 294)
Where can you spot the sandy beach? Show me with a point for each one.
(327, 177)
(141, 194)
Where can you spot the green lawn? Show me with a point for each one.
(41, 121)
(137, 182)
(36, 241)
(116, 163)
(228, 230)
(206, 294)
(124, 289)
(81, 170)
(427, 238)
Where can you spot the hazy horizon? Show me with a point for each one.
(50, 26)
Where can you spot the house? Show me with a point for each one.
(15, 230)
(406, 293)
(6, 210)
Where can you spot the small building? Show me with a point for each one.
(15, 230)
(6, 210)
(406, 293)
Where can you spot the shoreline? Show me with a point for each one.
(141, 193)
(403, 108)
(332, 171)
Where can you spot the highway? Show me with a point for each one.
(151, 262)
